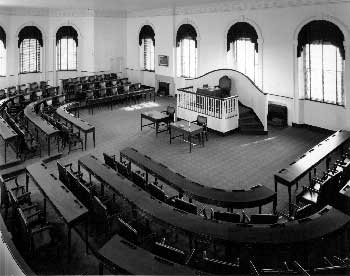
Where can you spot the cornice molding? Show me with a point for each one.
(61, 12)
(239, 5)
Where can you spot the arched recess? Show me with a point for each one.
(43, 69)
(194, 25)
(299, 110)
(146, 31)
(54, 50)
(260, 45)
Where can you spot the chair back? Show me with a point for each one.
(157, 192)
(91, 78)
(139, 179)
(83, 193)
(127, 231)
(225, 84)
(185, 206)
(169, 252)
(72, 182)
(201, 120)
(126, 88)
(24, 228)
(62, 173)
(226, 216)
(263, 219)
(99, 209)
(110, 161)
(122, 169)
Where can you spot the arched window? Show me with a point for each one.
(66, 46)
(2, 52)
(147, 42)
(242, 48)
(30, 41)
(186, 44)
(320, 46)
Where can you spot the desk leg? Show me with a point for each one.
(93, 137)
(170, 134)
(85, 139)
(5, 150)
(275, 186)
(27, 182)
(100, 269)
(87, 235)
(157, 127)
(48, 145)
(290, 200)
(190, 140)
(69, 243)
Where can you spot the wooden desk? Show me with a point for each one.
(185, 128)
(44, 126)
(80, 124)
(65, 203)
(235, 199)
(121, 255)
(310, 229)
(299, 168)
(7, 134)
(156, 117)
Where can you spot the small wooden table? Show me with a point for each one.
(156, 117)
(7, 134)
(186, 128)
(296, 170)
(62, 199)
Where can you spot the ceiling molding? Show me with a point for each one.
(240, 5)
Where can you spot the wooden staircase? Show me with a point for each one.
(248, 122)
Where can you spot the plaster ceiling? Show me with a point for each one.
(107, 5)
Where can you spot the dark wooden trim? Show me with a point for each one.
(313, 128)
(222, 69)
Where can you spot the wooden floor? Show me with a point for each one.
(234, 161)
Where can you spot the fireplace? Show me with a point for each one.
(163, 88)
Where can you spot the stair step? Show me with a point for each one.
(250, 123)
(253, 131)
(248, 119)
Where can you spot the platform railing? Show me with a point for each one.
(219, 108)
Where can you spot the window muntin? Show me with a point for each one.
(66, 54)
(29, 55)
(148, 54)
(323, 72)
(187, 58)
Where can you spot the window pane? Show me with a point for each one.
(66, 54)
(2, 59)
(29, 56)
(246, 58)
(316, 71)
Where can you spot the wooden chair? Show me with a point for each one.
(139, 178)
(103, 214)
(157, 192)
(37, 239)
(72, 139)
(169, 252)
(110, 161)
(202, 121)
(226, 216)
(185, 206)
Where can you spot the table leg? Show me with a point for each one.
(170, 134)
(275, 186)
(93, 137)
(290, 200)
(69, 243)
(141, 122)
(87, 235)
(157, 127)
(260, 209)
(45, 208)
(27, 181)
(274, 204)
(48, 145)
(190, 140)
(85, 139)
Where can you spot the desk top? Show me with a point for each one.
(6, 131)
(79, 123)
(183, 126)
(138, 261)
(299, 167)
(318, 225)
(155, 114)
(66, 204)
(238, 199)
(44, 125)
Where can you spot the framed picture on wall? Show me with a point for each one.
(163, 60)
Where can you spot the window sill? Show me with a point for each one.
(34, 72)
(73, 70)
(322, 102)
(151, 71)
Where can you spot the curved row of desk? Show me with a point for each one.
(236, 199)
(327, 221)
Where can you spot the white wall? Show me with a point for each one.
(276, 28)
(101, 44)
